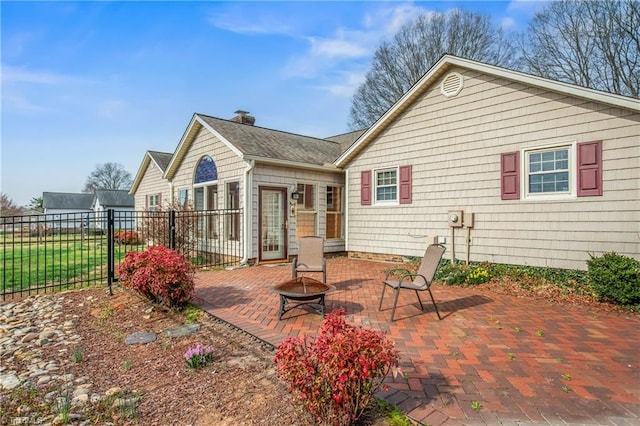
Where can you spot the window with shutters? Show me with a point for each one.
(390, 186)
(552, 171)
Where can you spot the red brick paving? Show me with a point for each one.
(512, 355)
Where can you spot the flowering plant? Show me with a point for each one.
(478, 275)
(199, 356)
(336, 374)
(160, 274)
(126, 237)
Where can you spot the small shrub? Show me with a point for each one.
(336, 374)
(160, 274)
(615, 278)
(199, 356)
(126, 237)
(451, 273)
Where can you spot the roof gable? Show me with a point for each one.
(160, 159)
(443, 66)
(251, 142)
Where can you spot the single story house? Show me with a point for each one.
(285, 183)
(120, 201)
(498, 165)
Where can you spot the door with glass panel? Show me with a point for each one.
(273, 223)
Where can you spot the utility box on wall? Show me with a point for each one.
(455, 218)
(467, 219)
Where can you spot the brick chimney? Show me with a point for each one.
(243, 117)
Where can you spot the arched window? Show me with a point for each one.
(206, 171)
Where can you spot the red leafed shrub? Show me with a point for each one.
(160, 274)
(126, 237)
(336, 374)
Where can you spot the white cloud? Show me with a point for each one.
(238, 22)
(508, 23)
(11, 74)
(348, 83)
(336, 48)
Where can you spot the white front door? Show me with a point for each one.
(273, 226)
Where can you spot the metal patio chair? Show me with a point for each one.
(419, 281)
(310, 257)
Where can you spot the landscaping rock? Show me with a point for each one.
(140, 337)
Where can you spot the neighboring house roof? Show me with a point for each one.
(114, 198)
(258, 143)
(448, 62)
(160, 159)
(66, 201)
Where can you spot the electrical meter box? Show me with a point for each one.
(455, 218)
(467, 219)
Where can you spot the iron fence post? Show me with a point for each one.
(172, 229)
(110, 250)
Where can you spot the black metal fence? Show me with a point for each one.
(41, 253)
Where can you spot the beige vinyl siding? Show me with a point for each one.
(286, 177)
(230, 167)
(454, 145)
(152, 182)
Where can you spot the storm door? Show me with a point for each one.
(273, 223)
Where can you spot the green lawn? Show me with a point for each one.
(59, 259)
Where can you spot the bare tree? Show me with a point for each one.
(399, 64)
(8, 207)
(593, 44)
(108, 176)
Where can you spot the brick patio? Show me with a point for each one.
(511, 355)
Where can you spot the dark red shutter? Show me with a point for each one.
(159, 201)
(405, 184)
(510, 175)
(146, 203)
(365, 188)
(589, 169)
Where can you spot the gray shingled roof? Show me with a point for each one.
(346, 139)
(115, 198)
(274, 144)
(65, 200)
(162, 159)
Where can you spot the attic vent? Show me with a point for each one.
(451, 85)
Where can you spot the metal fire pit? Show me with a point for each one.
(301, 291)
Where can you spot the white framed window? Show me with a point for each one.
(386, 186)
(306, 220)
(183, 196)
(154, 202)
(549, 171)
(334, 214)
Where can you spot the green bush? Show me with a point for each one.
(451, 273)
(615, 278)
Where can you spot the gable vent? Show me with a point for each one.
(451, 85)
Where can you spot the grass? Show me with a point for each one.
(27, 262)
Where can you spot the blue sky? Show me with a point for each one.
(85, 83)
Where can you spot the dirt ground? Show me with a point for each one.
(239, 388)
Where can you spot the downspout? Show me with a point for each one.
(247, 211)
(346, 211)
